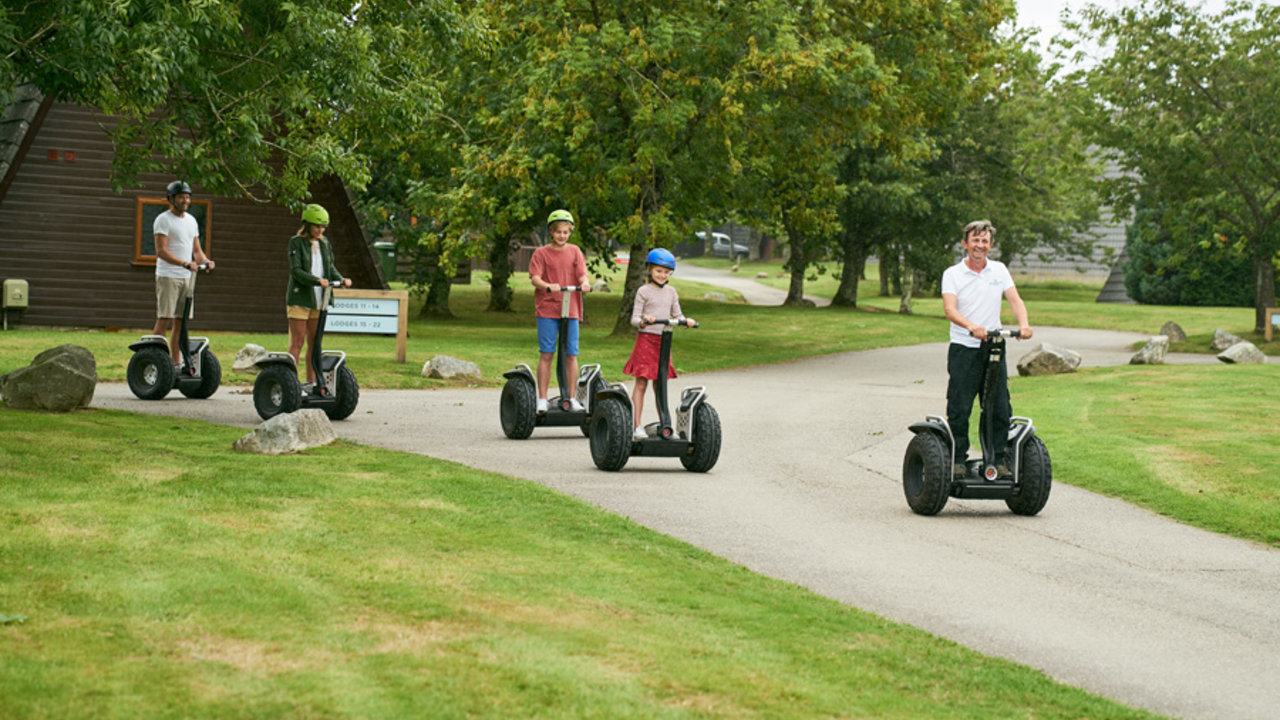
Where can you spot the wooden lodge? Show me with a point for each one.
(88, 253)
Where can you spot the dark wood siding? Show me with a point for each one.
(64, 231)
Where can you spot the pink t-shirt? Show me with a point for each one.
(659, 303)
(563, 267)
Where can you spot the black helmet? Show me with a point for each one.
(177, 187)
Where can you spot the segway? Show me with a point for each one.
(277, 389)
(151, 373)
(518, 407)
(695, 439)
(928, 478)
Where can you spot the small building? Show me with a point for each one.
(89, 253)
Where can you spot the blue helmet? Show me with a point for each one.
(662, 258)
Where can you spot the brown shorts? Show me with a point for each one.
(170, 292)
(297, 312)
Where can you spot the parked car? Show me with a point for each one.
(723, 246)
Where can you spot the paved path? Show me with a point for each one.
(752, 291)
(1092, 591)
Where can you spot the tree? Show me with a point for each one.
(1190, 104)
(252, 98)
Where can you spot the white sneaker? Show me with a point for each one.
(575, 406)
(542, 405)
(639, 434)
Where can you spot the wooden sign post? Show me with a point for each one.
(378, 312)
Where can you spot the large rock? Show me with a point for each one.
(1153, 352)
(1223, 339)
(715, 297)
(447, 368)
(601, 285)
(247, 358)
(1174, 332)
(288, 432)
(1242, 353)
(60, 379)
(1046, 359)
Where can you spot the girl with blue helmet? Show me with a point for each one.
(655, 299)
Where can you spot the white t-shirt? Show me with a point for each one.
(317, 267)
(978, 296)
(182, 233)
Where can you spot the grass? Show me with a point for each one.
(1182, 441)
(162, 575)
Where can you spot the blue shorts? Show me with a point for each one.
(549, 331)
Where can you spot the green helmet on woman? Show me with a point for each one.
(315, 214)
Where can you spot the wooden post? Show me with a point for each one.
(1267, 314)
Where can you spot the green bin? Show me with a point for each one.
(387, 256)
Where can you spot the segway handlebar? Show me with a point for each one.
(992, 332)
(682, 322)
(567, 288)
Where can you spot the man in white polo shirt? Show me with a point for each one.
(971, 292)
(178, 253)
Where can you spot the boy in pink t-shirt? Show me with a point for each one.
(552, 266)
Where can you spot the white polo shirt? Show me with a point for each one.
(978, 296)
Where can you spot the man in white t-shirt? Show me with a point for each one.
(178, 253)
(971, 293)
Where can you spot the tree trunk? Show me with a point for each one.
(635, 278)
(908, 276)
(500, 291)
(855, 264)
(888, 266)
(797, 264)
(1264, 296)
(437, 304)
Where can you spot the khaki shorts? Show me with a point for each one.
(170, 293)
(297, 312)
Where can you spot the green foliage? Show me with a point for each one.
(1189, 104)
(243, 98)
(1176, 261)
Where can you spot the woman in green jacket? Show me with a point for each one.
(310, 269)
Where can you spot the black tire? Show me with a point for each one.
(926, 474)
(210, 377)
(597, 384)
(1035, 479)
(276, 391)
(150, 373)
(611, 434)
(706, 440)
(518, 408)
(348, 391)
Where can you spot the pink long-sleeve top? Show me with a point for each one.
(657, 302)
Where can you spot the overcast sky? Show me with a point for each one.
(1044, 13)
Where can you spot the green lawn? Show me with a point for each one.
(148, 571)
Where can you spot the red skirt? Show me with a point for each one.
(643, 362)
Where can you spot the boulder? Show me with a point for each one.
(600, 285)
(60, 379)
(287, 433)
(1174, 332)
(1242, 353)
(247, 358)
(1223, 339)
(447, 368)
(1153, 352)
(1046, 359)
(715, 296)
(762, 275)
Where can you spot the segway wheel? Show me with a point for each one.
(348, 395)
(276, 391)
(518, 408)
(597, 384)
(926, 474)
(611, 434)
(210, 377)
(1035, 479)
(150, 373)
(705, 448)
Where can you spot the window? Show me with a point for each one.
(144, 239)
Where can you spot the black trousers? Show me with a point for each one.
(966, 367)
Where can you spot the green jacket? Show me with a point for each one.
(301, 281)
